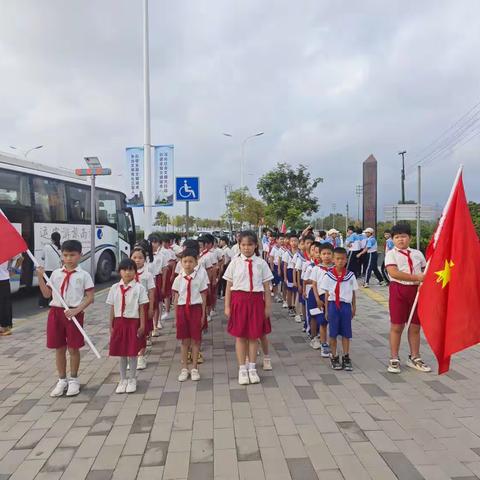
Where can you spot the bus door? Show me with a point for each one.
(124, 235)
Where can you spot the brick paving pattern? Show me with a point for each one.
(304, 421)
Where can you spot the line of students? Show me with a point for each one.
(310, 277)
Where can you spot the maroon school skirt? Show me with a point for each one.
(148, 320)
(400, 302)
(247, 315)
(189, 325)
(168, 283)
(124, 341)
(158, 289)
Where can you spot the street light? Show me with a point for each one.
(25, 153)
(242, 160)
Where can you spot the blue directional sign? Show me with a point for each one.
(187, 189)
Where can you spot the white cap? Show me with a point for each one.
(333, 230)
(369, 230)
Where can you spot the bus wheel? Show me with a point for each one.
(105, 267)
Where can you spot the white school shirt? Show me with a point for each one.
(301, 261)
(136, 295)
(347, 286)
(289, 258)
(317, 273)
(371, 244)
(146, 278)
(219, 253)
(237, 273)
(169, 254)
(198, 285)
(275, 254)
(235, 249)
(158, 264)
(74, 292)
(4, 273)
(207, 259)
(393, 258)
(51, 258)
(227, 254)
(177, 249)
(179, 269)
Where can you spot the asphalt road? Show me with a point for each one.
(25, 301)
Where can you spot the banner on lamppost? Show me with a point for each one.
(134, 177)
(164, 181)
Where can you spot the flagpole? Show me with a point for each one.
(436, 237)
(65, 306)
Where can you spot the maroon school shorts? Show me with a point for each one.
(400, 303)
(124, 341)
(189, 325)
(62, 332)
(247, 315)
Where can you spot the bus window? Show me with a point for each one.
(108, 204)
(14, 189)
(78, 204)
(49, 200)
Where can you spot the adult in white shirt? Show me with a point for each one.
(50, 260)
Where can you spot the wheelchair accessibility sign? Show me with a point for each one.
(187, 189)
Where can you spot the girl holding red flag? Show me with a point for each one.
(190, 290)
(248, 304)
(339, 286)
(127, 323)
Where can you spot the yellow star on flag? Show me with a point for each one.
(445, 274)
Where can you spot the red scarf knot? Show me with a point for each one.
(339, 279)
(250, 272)
(124, 291)
(406, 253)
(188, 301)
(66, 281)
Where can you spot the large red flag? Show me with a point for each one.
(11, 242)
(449, 298)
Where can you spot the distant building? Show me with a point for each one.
(370, 192)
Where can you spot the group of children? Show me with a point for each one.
(310, 277)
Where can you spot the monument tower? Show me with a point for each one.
(370, 192)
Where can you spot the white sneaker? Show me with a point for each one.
(73, 387)
(325, 350)
(285, 305)
(417, 364)
(243, 378)
(209, 318)
(394, 365)
(164, 316)
(159, 325)
(315, 343)
(141, 363)
(184, 374)
(131, 385)
(195, 375)
(155, 333)
(365, 285)
(298, 318)
(267, 364)
(253, 376)
(121, 387)
(60, 388)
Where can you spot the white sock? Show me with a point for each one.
(243, 367)
(252, 366)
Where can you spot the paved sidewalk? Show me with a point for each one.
(303, 421)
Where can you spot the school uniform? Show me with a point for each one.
(126, 301)
(388, 246)
(300, 261)
(340, 291)
(372, 260)
(316, 275)
(145, 278)
(402, 293)
(5, 297)
(157, 270)
(189, 310)
(247, 307)
(236, 249)
(288, 259)
(275, 255)
(50, 260)
(227, 256)
(72, 286)
(363, 260)
(353, 248)
(171, 259)
(208, 260)
(305, 275)
(334, 242)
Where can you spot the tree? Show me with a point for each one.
(475, 213)
(288, 193)
(161, 219)
(243, 207)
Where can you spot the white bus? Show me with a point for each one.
(40, 200)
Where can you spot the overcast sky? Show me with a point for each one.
(329, 82)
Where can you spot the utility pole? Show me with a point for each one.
(334, 209)
(358, 192)
(346, 222)
(419, 204)
(403, 175)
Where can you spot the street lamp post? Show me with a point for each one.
(242, 160)
(358, 192)
(26, 152)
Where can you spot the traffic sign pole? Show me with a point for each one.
(187, 217)
(92, 228)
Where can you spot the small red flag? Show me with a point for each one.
(11, 242)
(283, 229)
(449, 298)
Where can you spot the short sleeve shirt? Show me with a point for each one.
(207, 259)
(371, 244)
(74, 291)
(158, 264)
(393, 258)
(135, 296)
(146, 279)
(347, 286)
(198, 285)
(237, 273)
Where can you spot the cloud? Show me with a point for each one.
(329, 82)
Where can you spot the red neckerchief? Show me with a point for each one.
(124, 291)
(250, 272)
(325, 269)
(205, 251)
(307, 256)
(337, 286)
(188, 300)
(138, 273)
(316, 261)
(66, 281)
(407, 254)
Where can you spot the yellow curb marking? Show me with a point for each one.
(375, 296)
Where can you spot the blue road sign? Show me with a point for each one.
(187, 189)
